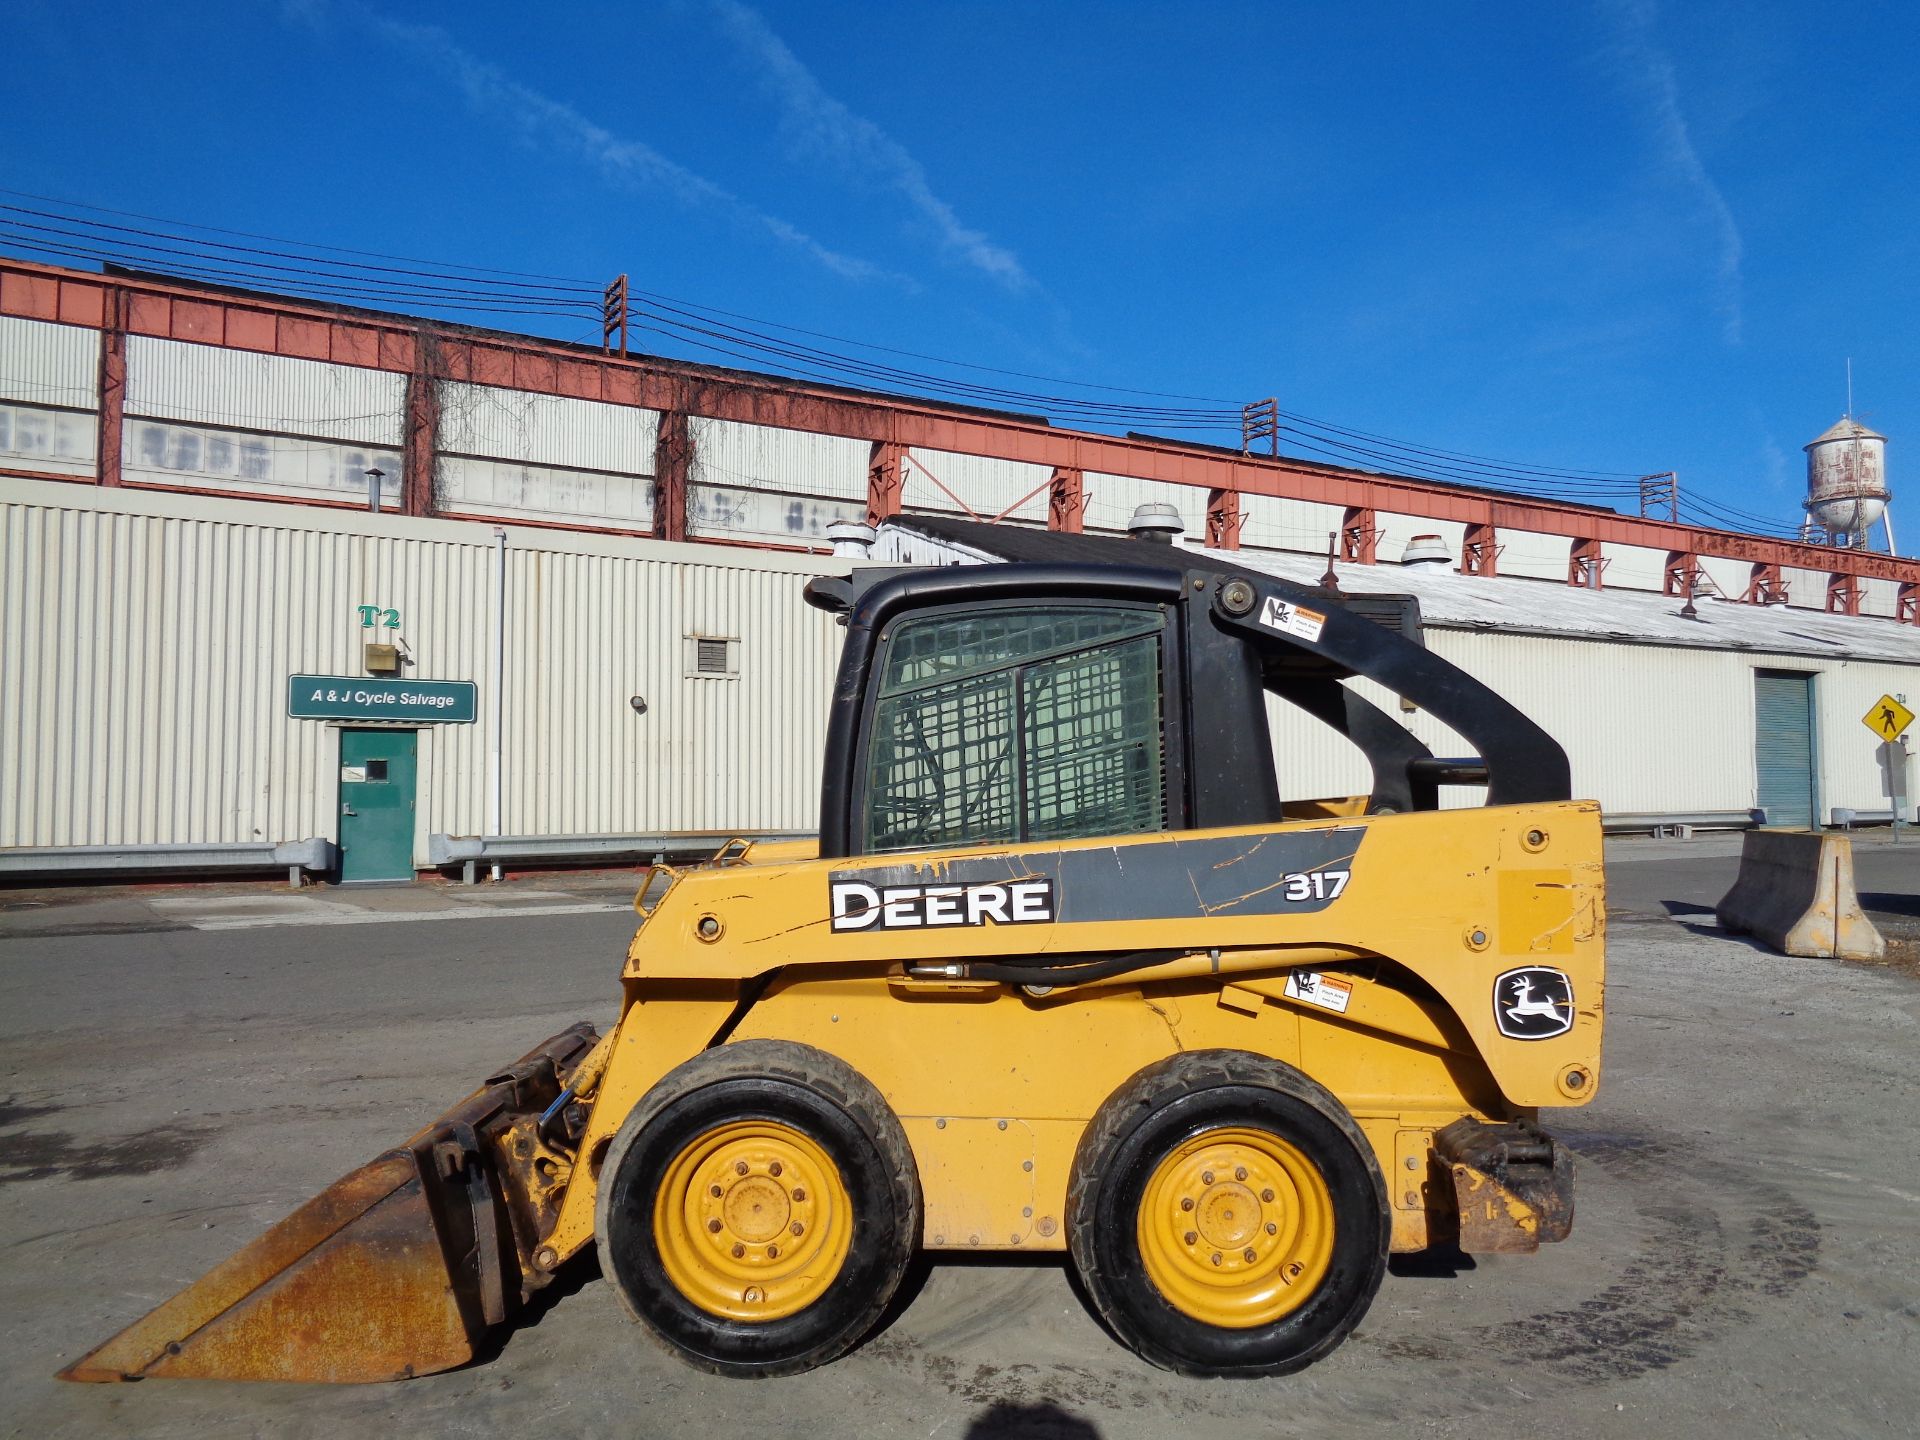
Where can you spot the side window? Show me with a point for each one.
(1010, 725)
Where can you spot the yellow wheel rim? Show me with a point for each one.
(752, 1221)
(1236, 1228)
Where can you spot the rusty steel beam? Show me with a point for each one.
(1480, 550)
(886, 477)
(1223, 519)
(1586, 565)
(420, 436)
(672, 465)
(308, 330)
(1907, 603)
(1067, 500)
(1843, 594)
(110, 445)
(1360, 536)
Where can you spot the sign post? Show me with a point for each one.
(1888, 720)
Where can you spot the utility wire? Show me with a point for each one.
(67, 230)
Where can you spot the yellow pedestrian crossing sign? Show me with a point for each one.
(1888, 718)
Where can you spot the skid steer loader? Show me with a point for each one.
(1062, 973)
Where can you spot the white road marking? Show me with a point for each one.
(394, 917)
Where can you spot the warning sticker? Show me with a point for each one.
(1292, 619)
(1329, 992)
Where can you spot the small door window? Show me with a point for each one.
(1012, 725)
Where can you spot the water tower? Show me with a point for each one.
(1847, 483)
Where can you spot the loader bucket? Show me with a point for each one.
(396, 1270)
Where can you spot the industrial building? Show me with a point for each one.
(278, 570)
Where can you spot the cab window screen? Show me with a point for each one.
(1017, 725)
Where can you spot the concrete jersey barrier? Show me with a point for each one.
(1795, 894)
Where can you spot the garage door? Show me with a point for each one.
(1783, 746)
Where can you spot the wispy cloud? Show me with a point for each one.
(1651, 73)
(824, 124)
(620, 159)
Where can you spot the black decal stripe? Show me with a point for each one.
(1156, 880)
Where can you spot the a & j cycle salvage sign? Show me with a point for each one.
(346, 697)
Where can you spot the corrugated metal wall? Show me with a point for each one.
(778, 487)
(146, 642)
(173, 380)
(985, 486)
(1270, 523)
(46, 364)
(1646, 728)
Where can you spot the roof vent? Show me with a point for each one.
(1156, 523)
(852, 539)
(1426, 550)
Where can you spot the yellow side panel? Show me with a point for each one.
(995, 1088)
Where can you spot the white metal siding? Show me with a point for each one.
(174, 380)
(1397, 531)
(1269, 522)
(163, 452)
(731, 455)
(1634, 567)
(492, 423)
(55, 442)
(1530, 553)
(1112, 499)
(146, 640)
(507, 488)
(1645, 728)
(765, 517)
(46, 364)
(985, 486)
(1806, 589)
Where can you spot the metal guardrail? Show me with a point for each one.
(470, 852)
(1678, 824)
(1845, 819)
(80, 861)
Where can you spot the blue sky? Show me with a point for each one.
(1606, 235)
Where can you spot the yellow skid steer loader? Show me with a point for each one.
(1061, 974)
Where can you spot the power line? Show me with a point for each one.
(343, 274)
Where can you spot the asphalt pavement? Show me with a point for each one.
(1745, 1259)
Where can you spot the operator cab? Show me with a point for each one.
(1009, 703)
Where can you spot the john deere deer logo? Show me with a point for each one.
(1534, 1003)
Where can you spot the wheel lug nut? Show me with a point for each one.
(1267, 1195)
(1206, 1177)
(715, 1191)
(1216, 1257)
(1239, 1172)
(773, 1252)
(1247, 1254)
(1186, 1202)
(739, 1167)
(799, 1193)
(1272, 1229)
(1192, 1238)
(738, 1251)
(798, 1228)
(713, 1227)
(774, 1168)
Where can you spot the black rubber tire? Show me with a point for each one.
(1160, 1108)
(840, 1110)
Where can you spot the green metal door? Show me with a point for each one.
(1783, 746)
(376, 804)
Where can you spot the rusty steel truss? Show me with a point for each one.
(431, 352)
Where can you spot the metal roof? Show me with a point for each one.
(1448, 600)
(1845, 428)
